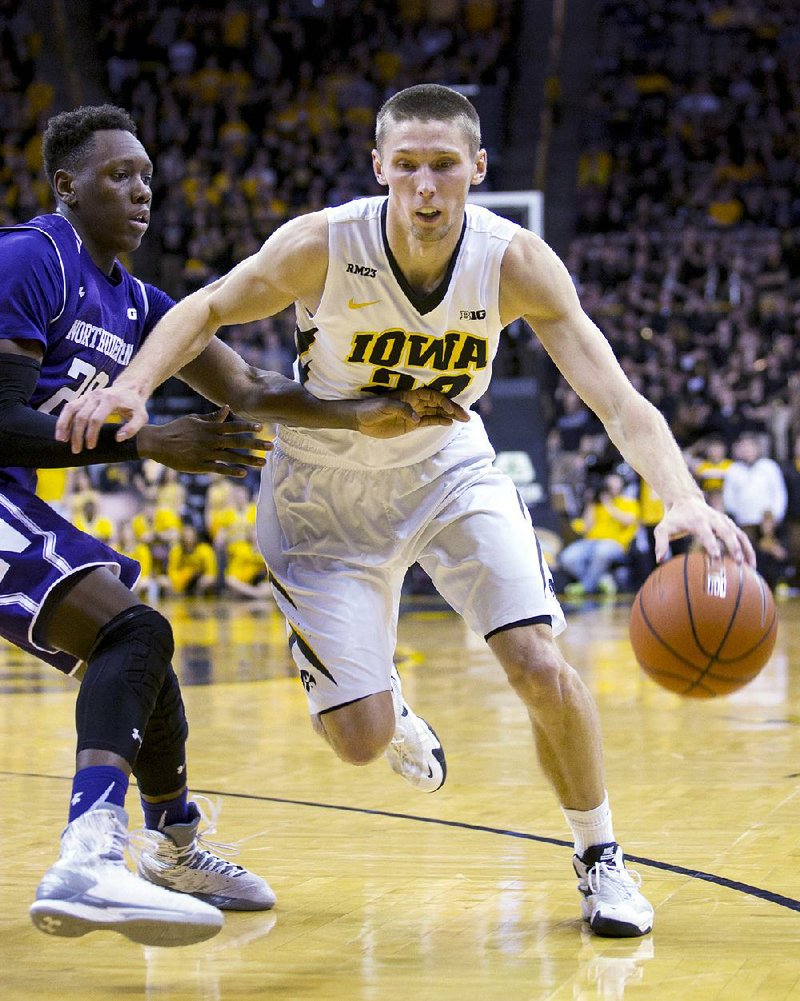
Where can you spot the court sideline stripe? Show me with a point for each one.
(708, 877)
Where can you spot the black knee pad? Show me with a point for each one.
(124, 677)
(160, 768)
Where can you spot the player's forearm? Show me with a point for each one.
(223, 376)
(645, 441)
(176, 339)
(272, 398)
(27, 436)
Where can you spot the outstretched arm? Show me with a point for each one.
(290, 266)
(536, 285)
(221, 375)
(191, 444)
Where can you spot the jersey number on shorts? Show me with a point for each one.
(79, 369)
(11, 541)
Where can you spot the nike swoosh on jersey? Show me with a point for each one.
(360, 305)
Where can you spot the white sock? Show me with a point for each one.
(591, 827)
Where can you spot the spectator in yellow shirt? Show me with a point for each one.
(245, 570)
(610, 522)
(148, 585)
(52, 486)
(89, 519)
(192, 565)
(710, 471)
(159, 528)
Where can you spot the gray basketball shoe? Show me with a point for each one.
(178, 858)
(90, 888)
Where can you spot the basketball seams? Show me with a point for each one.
(661, 673)
(678, 656)
(688, 598)
(687, 594)
(747, 653)
(671, 620)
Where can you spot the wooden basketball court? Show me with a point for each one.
(467, 894)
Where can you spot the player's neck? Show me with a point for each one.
(423, 264)
(103, 258)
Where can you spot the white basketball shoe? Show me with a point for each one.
(612, 903)
(90, 888)
(415, 751)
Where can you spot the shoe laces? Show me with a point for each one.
(399, 748)
(98, 835)
(201, 853)
(608, 875)
(206, 851)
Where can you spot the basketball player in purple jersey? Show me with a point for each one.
(71, 318)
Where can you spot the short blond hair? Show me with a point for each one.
(429, 102)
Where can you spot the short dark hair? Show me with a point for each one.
(69, 136)
(430, 102)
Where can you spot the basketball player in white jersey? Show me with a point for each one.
(408, 290)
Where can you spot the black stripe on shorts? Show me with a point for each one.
(536, 620)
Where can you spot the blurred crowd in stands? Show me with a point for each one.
(687, 246)
(192, 535)
(259, 112)
(687, 253)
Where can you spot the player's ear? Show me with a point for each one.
(64, 188)
(481, 163)
(378, 169)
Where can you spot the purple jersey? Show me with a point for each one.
(38, 550)
(89, 323)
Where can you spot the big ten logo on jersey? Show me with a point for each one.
(457, 355)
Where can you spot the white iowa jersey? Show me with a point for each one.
(372, 333)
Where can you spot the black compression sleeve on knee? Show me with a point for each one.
(160, 768)
(124, 676)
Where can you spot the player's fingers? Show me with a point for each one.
(432, 401)
(78, 430)
(228, 469)
(95, 423)
(432, 420)
(240, 458)
(709, 540)
(661, 538)
(217, 416)
(239, 427)
(128, 429)
(731, 538)
(64, 422)
(135, 422)
(454, 410)
(244, 441)
(408, 411)
(747, 548)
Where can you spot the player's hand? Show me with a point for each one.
(406, 410)
(713, 530)
(204, 444)
(81, 420)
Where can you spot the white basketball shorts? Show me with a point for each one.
(338, 542)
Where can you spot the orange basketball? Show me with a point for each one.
(703, 627)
